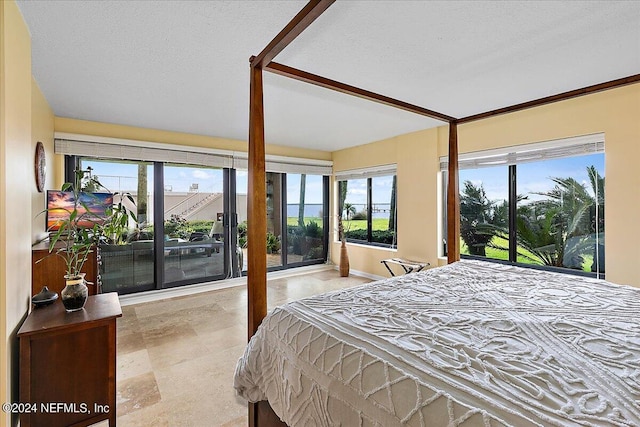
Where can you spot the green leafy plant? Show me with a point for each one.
(242, 234)
(176, 226)
(72, 240)
(312, 229)
(480, 218)
(359, 215)
(379, 236)
(273, 243)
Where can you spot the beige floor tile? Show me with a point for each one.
(128, 343)
(136, 393)
(237, 422)
(176, 351)
(133, 364)
(167, 332)
(177, 357)
(156, 415)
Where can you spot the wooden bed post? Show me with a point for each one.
(257, 202)
(453, 197)
(256, 216)
(256, 207)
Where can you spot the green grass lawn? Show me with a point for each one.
(349, 225)
(293, 220)
(502, 252)
(361, 224)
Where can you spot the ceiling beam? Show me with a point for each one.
(324, 82)
(297, 25)
(554, 98)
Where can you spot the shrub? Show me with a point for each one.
(201, 225)
(378, 236)
(294, 237)
(359, 215)
(176, 226)
(273, 243)
(242, 234)
(313, 229)
(314, 253)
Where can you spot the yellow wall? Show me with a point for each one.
(415, 155)
(615, 112)
(17, 184)
(41, 130)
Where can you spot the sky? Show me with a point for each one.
(380, 191)
(121, 176)
(533, 177)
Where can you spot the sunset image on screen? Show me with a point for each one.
(60, 205)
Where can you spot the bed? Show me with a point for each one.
(472, 343)
(558, 397)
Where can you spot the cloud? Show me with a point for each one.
(201, 174)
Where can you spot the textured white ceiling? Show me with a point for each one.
(183, 65)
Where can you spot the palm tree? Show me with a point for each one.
(392, 205)
(349, 210)
(303, 185)
(142, 192)
(558, 230)
(480, 218)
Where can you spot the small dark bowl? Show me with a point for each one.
(44, 297)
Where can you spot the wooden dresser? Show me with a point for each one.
(68, 364)
(50, 271)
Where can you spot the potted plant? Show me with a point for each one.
(79, 229)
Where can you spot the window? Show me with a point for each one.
(306, 225)
(543, 206)
(484, 210)
(296, 204)
(192, 210)
(560, 213)
(367, 206)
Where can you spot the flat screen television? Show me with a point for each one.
(60, 205)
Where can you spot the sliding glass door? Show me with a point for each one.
(306, 220)
(193, 242)
(297, 221)
(188, 225)
(128, 267)
(192, 222)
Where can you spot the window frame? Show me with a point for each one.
(361, 175)
(512, 157)
(231, 266)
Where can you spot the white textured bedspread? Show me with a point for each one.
(468, 344)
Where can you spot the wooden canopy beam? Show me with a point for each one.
(453, 198)
(554, 98)
(326, 83)
(297, 25)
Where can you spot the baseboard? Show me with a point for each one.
(362, 274)
(160, 294)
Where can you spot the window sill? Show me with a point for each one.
(369, 246)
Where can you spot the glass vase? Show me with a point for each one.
(74, 295)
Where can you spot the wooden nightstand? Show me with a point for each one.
(68, 364)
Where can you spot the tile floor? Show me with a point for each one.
(176, 357)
